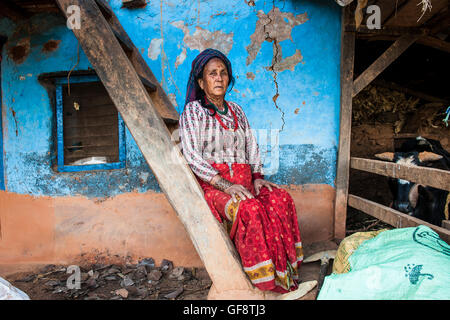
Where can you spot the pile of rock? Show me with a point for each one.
(143, 280)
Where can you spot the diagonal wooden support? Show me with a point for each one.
(167, 163)
(389, 56)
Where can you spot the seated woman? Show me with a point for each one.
(223, 154)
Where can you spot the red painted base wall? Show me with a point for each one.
(128, 227)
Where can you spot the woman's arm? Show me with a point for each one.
(232, 189)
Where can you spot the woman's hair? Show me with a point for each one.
(194, 92)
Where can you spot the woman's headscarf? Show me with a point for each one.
(194, 92)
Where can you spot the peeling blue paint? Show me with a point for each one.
(308, 142)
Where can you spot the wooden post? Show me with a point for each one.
(164, 158)
(343, 162)
(389, 56)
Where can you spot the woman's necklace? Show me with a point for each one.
(223, 112)
(235, 120)
(225, 109)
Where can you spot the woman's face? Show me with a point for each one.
(215, 79)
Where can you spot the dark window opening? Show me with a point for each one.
(89, 128)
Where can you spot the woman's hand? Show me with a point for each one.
(238, 190)
(229, 188)
(259, 183)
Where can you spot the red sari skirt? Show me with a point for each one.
(264, 229)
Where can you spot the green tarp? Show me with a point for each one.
(408, 263)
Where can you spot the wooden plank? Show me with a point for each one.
(148, 85)
(105, 9)
(82, 122)
(415, 93)
(343, 161)
(393, 217)
(93, 146)
(93, 111)
(389, 56)
(440, 21)
(98, 140)
(435, 43)
(390, 9)
(446, 224)
(92, 151)
(162, 101)
(125, 42)
(139, 113)
(77, 138)
(390, 31)
(39, 6)
(426, 176)
(11, 10)
(91, 131)
(133, 3)
(409, 14)
(88, 103)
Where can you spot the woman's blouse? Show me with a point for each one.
(204, 140)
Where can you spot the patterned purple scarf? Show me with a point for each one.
(193, 91)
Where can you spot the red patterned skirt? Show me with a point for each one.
(264, 229)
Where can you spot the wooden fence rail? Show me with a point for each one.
(393, 217)
(436, 178)
(426, 176)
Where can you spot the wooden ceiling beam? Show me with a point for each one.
(389, 56)
(435, 43)
(13, 11)
(389, 31)
(395, 10)
(440, 21)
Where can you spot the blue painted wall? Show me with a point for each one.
(304, 123)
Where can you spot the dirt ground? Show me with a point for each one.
(142, 281)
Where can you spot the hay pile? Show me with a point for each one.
(376, 105)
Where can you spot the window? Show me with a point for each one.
(90, 130)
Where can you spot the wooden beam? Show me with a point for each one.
(133, 3)
(435, 43)
(389, 56)
(162, 102)
(429, 41)
(395, 10)
(436, 178)
(390, 31)
(345, 127)
(39, 6)
(105, 8)
(393, 217)
(440, 21)
(410, 14)
(415, 93)
(13, 11)
(174, 176)
(446, 224)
